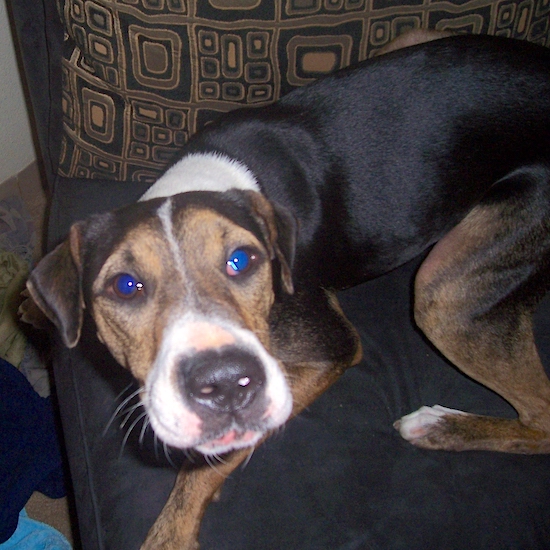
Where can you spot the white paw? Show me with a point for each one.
(419, 423)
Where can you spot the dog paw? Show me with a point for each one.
(424, 426)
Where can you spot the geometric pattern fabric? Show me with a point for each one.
(141, 76)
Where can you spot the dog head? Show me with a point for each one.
(180, 290)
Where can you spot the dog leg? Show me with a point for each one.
(177, 527)
(474, 298)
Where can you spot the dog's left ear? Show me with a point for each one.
(280, 230)
(55, 286)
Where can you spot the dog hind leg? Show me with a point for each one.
(475, 295)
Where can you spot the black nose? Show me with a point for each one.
(224, 380)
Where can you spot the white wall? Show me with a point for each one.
(16, 145)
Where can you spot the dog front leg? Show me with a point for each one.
(177, 527)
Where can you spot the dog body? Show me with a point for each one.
(232, 258)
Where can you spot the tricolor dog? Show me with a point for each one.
(217, 289)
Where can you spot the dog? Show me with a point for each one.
(233, 257)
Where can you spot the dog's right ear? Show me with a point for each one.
(280, 230)
(55, 285)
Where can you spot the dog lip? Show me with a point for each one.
(231, 439)
(169, 429)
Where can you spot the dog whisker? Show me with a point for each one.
(121, 407)
(210, 460)
(129, 414)
(167, 455)
(189, 455)
(146, 424)
(248, 458)
(129, 431)
(219, 458)
(155, 445)
(124, 391)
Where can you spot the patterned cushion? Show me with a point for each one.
(141, 76)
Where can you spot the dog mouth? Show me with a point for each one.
(231, 440)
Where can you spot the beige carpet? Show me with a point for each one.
(54, 512)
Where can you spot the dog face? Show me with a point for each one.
(181, 290)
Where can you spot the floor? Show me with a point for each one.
(27, 187)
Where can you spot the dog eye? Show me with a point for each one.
(239, 262)
(126, 286)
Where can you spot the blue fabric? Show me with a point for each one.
(33, 535)
(30, 457)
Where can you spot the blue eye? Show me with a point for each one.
(126, 286)
(239, 262)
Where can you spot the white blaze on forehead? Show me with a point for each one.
(165, 215)
(189, 332)
(203, 172)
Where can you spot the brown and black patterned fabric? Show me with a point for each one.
(141, 76)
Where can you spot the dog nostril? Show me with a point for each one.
(225, 380)
(207, 390)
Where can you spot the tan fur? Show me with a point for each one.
(204, 238)
(182, 263)
(479, 337)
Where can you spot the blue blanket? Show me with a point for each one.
(30, 457)
(33, 535)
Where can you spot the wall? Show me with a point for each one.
(16, 145)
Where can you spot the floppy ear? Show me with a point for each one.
(280, 229)
(55, 286)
